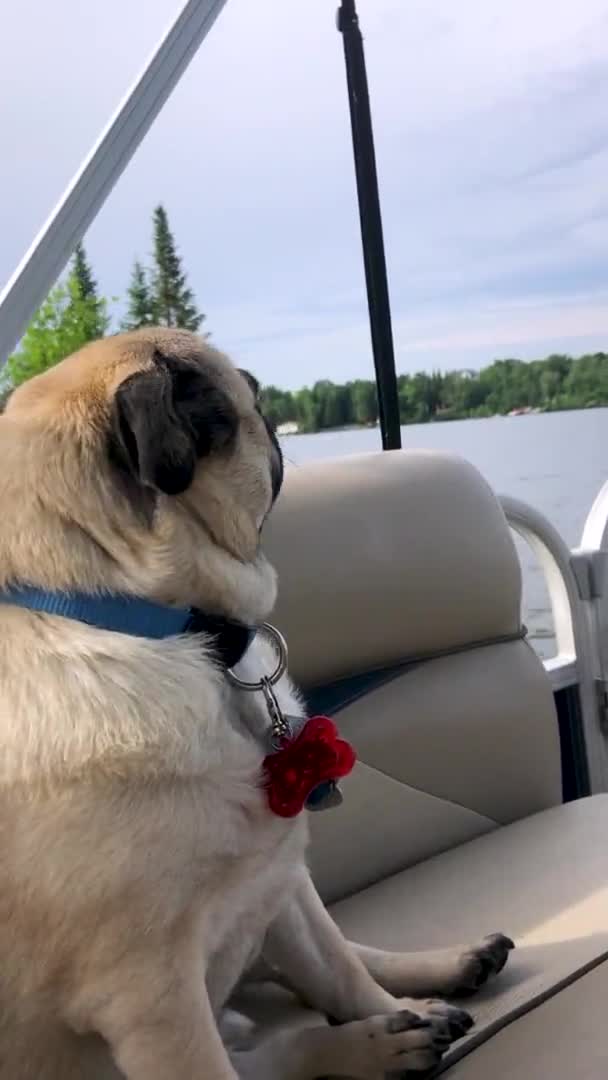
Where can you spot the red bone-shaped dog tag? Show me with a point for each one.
(315, 758)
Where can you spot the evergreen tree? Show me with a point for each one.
(173, 301)
(83, 275)
(140, 309)
(85, 308)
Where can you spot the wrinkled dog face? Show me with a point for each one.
(162, 424)
(170, 420)
(188, 424)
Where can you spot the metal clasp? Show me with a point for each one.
(280, 726)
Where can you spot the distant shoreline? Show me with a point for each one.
(514, 414)
(506, 387)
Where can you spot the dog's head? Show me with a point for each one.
(151, 444)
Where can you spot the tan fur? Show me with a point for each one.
(140, 869)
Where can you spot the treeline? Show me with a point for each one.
(75, 312)
(159, 294)
(558, 382)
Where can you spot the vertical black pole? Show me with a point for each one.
(371, 226)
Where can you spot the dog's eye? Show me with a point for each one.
(252, 381)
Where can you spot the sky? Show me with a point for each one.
(492, 146)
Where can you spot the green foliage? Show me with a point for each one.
(46, 339)
(63, 324)
(83, 275)
(6, 388)
(364, 402)
(71, 315)
(74, 313)
(87, 310)
(172, 300)
(559, 382)
(278, 405)
(140, 305)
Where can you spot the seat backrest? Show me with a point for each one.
(400, 598)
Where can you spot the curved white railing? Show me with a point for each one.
(576, 581)
(553, 554)
(594, 552)
(595, 532)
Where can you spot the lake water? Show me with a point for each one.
(555, 461)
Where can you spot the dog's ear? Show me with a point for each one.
(167, 418)
(251, 380)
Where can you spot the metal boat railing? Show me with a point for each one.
(577, 582)
(101, 169)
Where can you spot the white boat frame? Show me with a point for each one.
(577, 580)
(103, 166)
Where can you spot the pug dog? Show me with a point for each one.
(143, 874)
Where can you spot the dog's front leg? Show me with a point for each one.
(308, 948)
(158, 1023)
(462, 969)
(370, 1049)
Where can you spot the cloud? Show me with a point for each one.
(492, 146)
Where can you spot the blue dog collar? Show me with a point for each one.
(137, 617)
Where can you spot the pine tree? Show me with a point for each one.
(173, 301)
(86, 310)
(140, 309)
(83, 275)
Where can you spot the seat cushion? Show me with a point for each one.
(389, 556)
(440, 763)
(542, 880)
(400, 596)
(563, 1038)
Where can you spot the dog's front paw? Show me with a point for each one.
(452, 1019)
(437, 1026)
(480, 962)
(405, 1042)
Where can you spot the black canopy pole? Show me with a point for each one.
(371, 225)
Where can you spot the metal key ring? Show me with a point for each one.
(280, 645)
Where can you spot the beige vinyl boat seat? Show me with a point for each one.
(400, 597)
